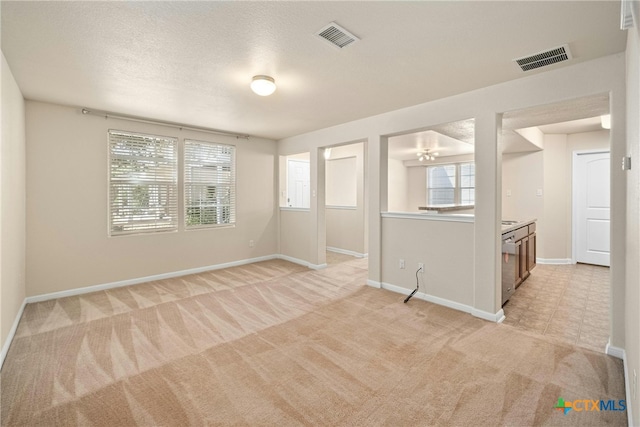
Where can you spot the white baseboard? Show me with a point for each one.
(301, 262)
(491, 317)
(12, 333)
(497, 317)
(374, 284)
(105, 286)
(552, 261)
(614, 351)
(621, 354)
(347, 252)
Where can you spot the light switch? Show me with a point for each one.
(539, 192)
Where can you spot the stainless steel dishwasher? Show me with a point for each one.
(510, 254)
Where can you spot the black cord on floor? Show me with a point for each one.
(416, 289)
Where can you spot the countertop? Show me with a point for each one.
(445, 208)
(516, 224)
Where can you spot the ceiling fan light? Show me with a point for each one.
(263, 85)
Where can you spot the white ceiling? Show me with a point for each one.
(457, 138)
(192, 62)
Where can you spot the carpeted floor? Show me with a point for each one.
(273, 343)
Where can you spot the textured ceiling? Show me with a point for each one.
(192, 62)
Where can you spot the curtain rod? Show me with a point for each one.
(180, 126)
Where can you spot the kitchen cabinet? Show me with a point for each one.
(531, 247)
(518, 255)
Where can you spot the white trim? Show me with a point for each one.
(118, 284)
(374, 284)
(301, 262)
(287, 208)
(497, 317)
(614, 351)
(557, 261)
(491, 317)
(12, 333)
(429, 216)
(620, 353)
(346, 252)
(348, 208)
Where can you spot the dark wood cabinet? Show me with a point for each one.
(531, 247)
(519, 258)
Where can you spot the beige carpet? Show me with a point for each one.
(273, 343)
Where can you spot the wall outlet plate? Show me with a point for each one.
(401, 263)
(421, 266)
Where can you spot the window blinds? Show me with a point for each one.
(143, 186)
(209, 184)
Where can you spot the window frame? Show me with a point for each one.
(188, 185)
(170, 183)
(457, 188)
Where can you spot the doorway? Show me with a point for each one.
(345, 202)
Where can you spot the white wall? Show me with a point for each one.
(295, 241)
(398, 186)
(67, 242)
(446, 273)
(345, 227)
(631, 296)
(12, 203)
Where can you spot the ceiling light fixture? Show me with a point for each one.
(426, 154)
(606, 121)
(263, 85)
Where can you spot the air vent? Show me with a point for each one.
(542, 59)
(336, 35)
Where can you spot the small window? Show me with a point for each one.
(451, 184)
(209, 184)
(143, 186)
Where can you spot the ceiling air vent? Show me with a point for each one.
(542, 59)
(336, 35)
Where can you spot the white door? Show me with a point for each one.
(298, 183)
(592, 208)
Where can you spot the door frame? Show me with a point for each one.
(574, 198)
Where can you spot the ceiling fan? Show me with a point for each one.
(426, 154)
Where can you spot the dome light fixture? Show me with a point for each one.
(263, 85)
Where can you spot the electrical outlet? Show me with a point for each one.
(421, 266)
(251, 243)
(401, 263)
(508, 193)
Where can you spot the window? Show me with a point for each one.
(209, 184)
(467, 183)
(451, 184)
(143, 173)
